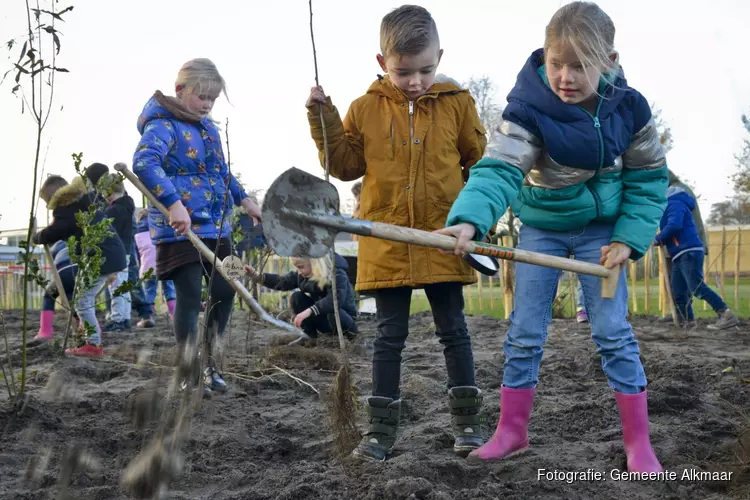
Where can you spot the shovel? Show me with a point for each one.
(301, 219)
(228, 268)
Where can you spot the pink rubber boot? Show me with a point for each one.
(634, 418)
(512, 434)
(46, 320)
(170, 308)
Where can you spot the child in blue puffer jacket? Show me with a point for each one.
(597, 177)
(181, 160)
(679, 234)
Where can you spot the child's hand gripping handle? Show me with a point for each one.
(207, 253)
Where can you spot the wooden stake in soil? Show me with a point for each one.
(341, 403)
(668, 287)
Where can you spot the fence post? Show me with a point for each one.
(738, 247)
(723, 260)
(633, 270)
(492, 294)
(662, 284)
(479, 291)
(508, 278)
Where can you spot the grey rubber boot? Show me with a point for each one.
(377, 443)
(465, 404)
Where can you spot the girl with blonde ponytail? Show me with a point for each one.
(597, 178)
(312, 303)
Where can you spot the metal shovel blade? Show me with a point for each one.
(297, 190)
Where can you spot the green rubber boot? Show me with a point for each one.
(377, 443)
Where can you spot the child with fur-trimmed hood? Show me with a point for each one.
(66, 200)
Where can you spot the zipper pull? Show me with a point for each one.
(411, 108)
(596, 122)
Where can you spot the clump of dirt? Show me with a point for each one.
(112, 428)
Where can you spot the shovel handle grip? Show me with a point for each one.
(208, 254)
(444, 242)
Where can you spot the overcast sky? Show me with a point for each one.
(688, 57)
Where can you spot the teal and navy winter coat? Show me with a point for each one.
(579, 167)
(180, 157)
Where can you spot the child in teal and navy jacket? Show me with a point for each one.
(597, 179)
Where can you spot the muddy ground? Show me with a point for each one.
(267, 438)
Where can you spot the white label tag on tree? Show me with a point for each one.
(233, 267)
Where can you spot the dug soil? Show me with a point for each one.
(268, 437)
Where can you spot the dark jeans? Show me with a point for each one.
(687, 282)
(68, 278)
(321, 323)
(393, 304)
(188, 284)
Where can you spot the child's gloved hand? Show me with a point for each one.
(463, 233)
(317, 97)
(614, 254)
(302, 317)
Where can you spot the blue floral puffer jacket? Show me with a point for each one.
(180, 157)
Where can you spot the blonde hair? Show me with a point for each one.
(199, 75)
(321, 269)
(111, 184)
(407, 30)
(589, 31)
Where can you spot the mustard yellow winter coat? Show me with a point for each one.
(415, 158)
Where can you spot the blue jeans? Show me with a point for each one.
(536, 287)
(85, 308)
(150, 287)
(580, 297)
(687, 282)
(136, 294)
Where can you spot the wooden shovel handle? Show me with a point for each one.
(444, 242)
(208, 254)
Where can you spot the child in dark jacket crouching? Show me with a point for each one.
(312, 304)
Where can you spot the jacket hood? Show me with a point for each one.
(127, 203)
(677, 193)
(533, 90)
(341, 262)
(161, 106)
(67, 195)
(442, 85)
